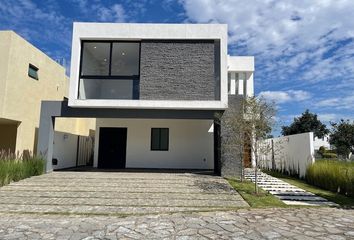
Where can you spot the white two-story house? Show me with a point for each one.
(154, 90)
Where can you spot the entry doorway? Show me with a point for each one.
(112, 148)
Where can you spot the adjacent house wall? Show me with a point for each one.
(291, 154)
(8, 137)
(21, 95)
(190, 143)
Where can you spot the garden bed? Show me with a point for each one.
(14, 168)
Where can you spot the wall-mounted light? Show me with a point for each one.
(66, 136)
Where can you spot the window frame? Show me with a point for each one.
(31, 66)
(159, 135)
(134, 78)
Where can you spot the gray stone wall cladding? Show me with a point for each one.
(177, 70)
(231, 160)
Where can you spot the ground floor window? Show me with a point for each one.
(159, 139)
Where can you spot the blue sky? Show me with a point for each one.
(304, 49)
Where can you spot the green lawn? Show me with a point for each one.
(344, 201)
(262, 200)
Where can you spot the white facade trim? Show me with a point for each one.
(149, 104)
(240, 63)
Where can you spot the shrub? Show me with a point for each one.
(14, 167)
(322, 150)
(329, 155)
(333, 175)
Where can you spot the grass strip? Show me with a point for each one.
(261, 200)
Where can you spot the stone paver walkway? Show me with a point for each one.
(291, 223)
(289, 194)
(118, 193)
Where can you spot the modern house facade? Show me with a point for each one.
(154, 90)
(27, 77)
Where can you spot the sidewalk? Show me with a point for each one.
(289, 194)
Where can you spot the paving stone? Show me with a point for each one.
(280, 223)
(119, 193)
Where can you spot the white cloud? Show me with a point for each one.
(114, 13)
(289, 38)
(263, 24)
(337, 103)
(285, 96)
(327, 117)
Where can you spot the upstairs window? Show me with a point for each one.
(110, 59)
(95, 59)
(33, 71)
(125, 59)
(109, 70)
(159, 139)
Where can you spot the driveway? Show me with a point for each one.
(118, 193)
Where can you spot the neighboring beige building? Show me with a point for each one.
(21, 94)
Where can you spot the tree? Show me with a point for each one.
(307, 122)
(342, 137)
(248, 126)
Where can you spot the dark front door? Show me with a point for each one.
(112, 147)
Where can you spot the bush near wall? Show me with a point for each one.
(14, 168)
(332, 175)
(329, 155)
(326, 153)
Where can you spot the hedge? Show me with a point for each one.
(13, 169)
(333, 175)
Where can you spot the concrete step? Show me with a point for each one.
(310, 203)
(302, 193)
(300, 198)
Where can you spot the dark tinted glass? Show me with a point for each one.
(95, 59)
(155, 139)
(125, 59)
(33, 72)
(164, 139)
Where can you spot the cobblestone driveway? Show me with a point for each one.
(118, 193)
(301, 224)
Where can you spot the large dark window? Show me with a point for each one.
(109, 70)
(159, 139)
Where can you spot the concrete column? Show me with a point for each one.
(230, 162)
(49, 110)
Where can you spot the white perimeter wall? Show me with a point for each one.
(319, 142)
(191, 145)
(293, 153)
(65, 149)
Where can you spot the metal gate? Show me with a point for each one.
(84, 156)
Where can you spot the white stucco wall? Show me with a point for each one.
(293, 153)
(241, 64)
(319, 142)
(190, 143)
(65, 150)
